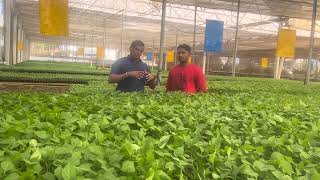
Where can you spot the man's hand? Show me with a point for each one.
(136, 74)
(149, 77)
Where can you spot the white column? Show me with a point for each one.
(27, 51)
(18, 52)
(276, 68)
(14, 32)
(280, 68)
(7, 30)
(204, 62)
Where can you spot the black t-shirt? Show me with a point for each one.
(130, 84)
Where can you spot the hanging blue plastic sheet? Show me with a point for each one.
(213, 41)
(149, 56)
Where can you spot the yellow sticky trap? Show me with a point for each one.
(264, 62)
(20, 46)
(100, 52)
(80, 51)
(170, 56)
(286, 43)
(54, 20)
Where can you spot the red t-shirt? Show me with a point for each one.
(189, 79)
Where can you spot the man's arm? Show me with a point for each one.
(169, 85)
(115, 78)
(201, 84)
(152, 84)
(115, 74)
(150, 79)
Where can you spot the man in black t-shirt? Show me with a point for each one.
(130, 72)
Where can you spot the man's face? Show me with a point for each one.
(183, 55)
(136, 51)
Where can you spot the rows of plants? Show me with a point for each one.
(241, 129)
(54, 67)
(49, 77)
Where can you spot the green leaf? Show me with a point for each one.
(75, 158)
(69, 172)
(131, 148)
(170, 166)
(100, 136)
(140, 116)
(114, 160)
(130, 120)
(12, 176)
(285, 166)
(42, 134)
(33, 143)
(181, 176)
(7, 166)
(261, 166)
(286, 177)
(215, 176)
(49, 176)
(315, 176)
(163, 141)
(58, 172)
(212, 157)
(86, 168)
(162, 175)
(150, 175)
(247, 170)
(95, 149)
(128, 167)
(107, 175)
(36, 156)
(179, 151)
(276, 156)
(277, 174)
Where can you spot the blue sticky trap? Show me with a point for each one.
(149, 56)
(213, 41)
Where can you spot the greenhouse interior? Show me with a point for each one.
(159, 89)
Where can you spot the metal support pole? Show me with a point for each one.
(276, 68)
(204, 62)
(153, 59)
(277, 63)
(163, 24)
(314, 16)
(176, 53)
(121, 47)
(280, 68)
(194, 30)
(84, 47)
(235, 51)
(317, 70)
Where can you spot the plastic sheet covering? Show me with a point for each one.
(54, 20)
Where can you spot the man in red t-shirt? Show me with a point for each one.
(186, 77)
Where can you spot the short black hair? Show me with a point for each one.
(185, 46)
(136, 43)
